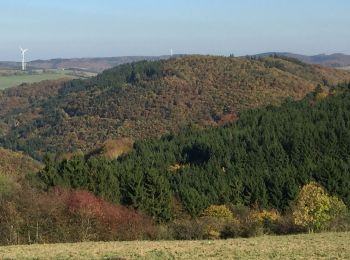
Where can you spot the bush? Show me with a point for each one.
(268, 219)
(188, 230)
(212, 227)
(339, 216)
(214, 218)
(286, 225)
(218, 211)
(251, 227)
(231, 229)
(163, 232)
(100, 219)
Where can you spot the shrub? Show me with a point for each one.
(188, 230)
(251, 226)
(214, 218)
(337, 207)
(339, 216)
(218, 211)
(266, 215)
(231, 229)
(98, 218)
(286, 225)
(268, 218)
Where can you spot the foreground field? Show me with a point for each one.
(15, 80)
(308, 246)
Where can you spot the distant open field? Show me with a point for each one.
(345, 68)
(13, 79)
(306, 246)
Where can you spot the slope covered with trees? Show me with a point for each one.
(17, 164)
(147, 99)
(278, 169)
(263, 159)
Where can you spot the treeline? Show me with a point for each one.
(263, 159)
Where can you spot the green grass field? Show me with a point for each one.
(306, 246)
(15, 80)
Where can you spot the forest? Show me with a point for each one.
(277, 170)
(274, 169)
(264, 158)
(149, 99)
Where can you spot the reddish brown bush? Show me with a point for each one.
(111, 221)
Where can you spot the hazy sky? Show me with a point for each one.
(93, 28)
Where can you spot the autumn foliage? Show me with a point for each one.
(68, 216)
(314, 207)
(117, 221)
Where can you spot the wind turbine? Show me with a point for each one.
(23, 51)
(171, 52)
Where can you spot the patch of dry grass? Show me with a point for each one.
(307, 246)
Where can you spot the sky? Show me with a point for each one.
(106, 28)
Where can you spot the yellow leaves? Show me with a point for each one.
(218, 211)
(266, 215)
(214, 218)
(314, 207)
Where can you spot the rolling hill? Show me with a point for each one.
(84, 64)
(335, 60)
(147, 99)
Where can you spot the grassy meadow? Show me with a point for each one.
(11, 80)
(305, 246)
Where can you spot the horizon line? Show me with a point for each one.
(179, 54)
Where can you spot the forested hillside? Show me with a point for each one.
(278, 169)
(335, 60)
(263, 159)
(147, 99)
(16, 164)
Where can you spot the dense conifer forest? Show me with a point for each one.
(263, 159)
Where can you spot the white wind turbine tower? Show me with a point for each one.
(23, 51)
(171, 52)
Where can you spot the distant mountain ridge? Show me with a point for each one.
(335, 60)
(87, 64)
(99, 64)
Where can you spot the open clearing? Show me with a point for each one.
(345, 68)
(306, 246)
(8, 81)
